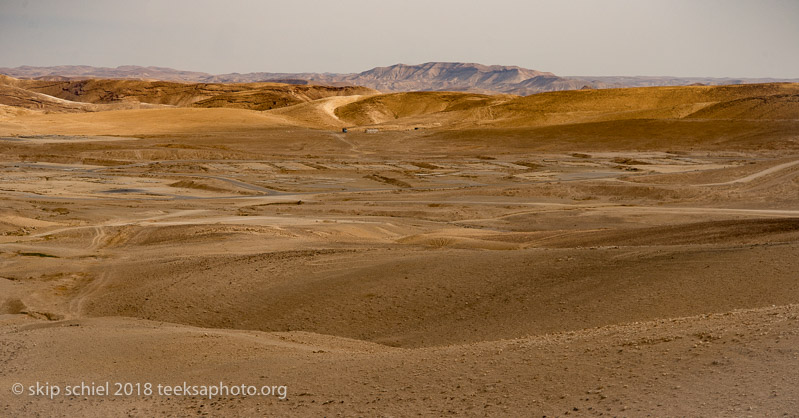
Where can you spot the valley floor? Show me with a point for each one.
(398, 273)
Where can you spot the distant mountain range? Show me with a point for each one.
(431, 76)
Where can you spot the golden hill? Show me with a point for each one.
(689, 113)
(318, 114)
(418, 108)
(11, 94)
(775, 107)
(19, 97)
(640, 103)
(392, 107)
(450, 110)
(253, 96)
(465, 110)
(140, 122)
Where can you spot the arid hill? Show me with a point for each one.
(431, 76)
(255, 96)
(662, 81)
(643, 103)
(454, 76)
(384, 108)
(646, 113)
(777, 101)
(19, 97)
(87, 71)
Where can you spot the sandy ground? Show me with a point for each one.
(396, 274)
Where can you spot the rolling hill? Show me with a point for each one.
(643, 115)
(431, 76)
(252, 96)
(469, 110)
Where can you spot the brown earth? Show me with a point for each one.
(624, 252)
(252, 96)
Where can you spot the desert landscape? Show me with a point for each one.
(615, 252)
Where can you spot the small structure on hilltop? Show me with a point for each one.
(344, 130)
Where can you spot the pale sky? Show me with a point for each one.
(713, 38)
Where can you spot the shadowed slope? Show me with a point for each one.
(778, 106)
(392, 107)
(254, 96)
(641, 118)
(637, 103)
(449, 110)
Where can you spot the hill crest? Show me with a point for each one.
(430, 76)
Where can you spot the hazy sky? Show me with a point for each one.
(581, 37)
